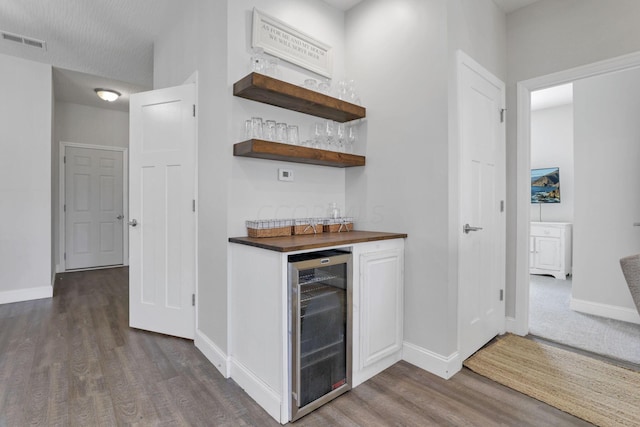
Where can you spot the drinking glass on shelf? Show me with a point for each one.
(270, 130)
(256, 127)
(248, 133)
(271, 67)
(292, 134)
(281, 132)
(340, 137)
(330, 134)
(324, 86)
(318, 135)
(311, 84)
(352, 136)
(258, 60)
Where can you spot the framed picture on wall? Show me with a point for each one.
(289, 44)
(545, 185)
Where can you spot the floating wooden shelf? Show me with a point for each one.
(261, 149)
(268, 90)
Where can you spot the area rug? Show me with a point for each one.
(596, 391)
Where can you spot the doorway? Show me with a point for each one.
(93, 205)
(585, 237)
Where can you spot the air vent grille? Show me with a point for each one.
(40, 44)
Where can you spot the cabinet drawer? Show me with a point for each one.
(546, 231)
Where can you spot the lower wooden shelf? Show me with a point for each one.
(261, 149)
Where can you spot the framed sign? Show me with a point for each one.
(291, 45)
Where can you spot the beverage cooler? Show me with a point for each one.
(320, 328)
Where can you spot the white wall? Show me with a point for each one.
(25, 180)
(84, 125)
(550, 36)
(254, 189)
(401, 54)
(91, 125)
(552, 146)
(607, 154)
(232, 190)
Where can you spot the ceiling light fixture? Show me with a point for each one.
(107, 94)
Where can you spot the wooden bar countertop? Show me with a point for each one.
(314, 241)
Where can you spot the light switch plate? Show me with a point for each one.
(285, 175)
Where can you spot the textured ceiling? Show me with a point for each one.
(107, 43)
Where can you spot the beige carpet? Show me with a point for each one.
(595, 391)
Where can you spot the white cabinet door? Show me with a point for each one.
(378, 295)
(547, 253)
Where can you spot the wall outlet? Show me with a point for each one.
(285, 175)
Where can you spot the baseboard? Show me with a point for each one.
(212, 352)
(442, 366)
(605, 310)
(28, 294)
(259, 391)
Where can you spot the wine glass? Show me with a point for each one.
(352, 137)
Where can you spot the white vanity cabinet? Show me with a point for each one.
(259, 333)
(550, 249)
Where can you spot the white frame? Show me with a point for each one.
(260, 38)
(520, 325)
(61, 198)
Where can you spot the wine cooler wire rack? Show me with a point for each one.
(315, 277)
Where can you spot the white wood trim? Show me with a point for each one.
(62, 265)
(523, 164)
(259, 391)
(213, 353)
(19, 295)
(605, 310)
(442, 366)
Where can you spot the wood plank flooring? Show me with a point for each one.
(73, 361)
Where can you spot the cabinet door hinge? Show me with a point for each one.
(64, 159)
(64, 208)
(65, 256)
(193, 205)
(501, 205)
(193, 300)
(194, 110)
(502, 111)
(501, 294)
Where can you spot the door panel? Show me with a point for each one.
(93, 202)
(481, 257)
(162, 191)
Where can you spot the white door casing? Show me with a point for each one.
(481, 251)
(162, 203)
(93, 206)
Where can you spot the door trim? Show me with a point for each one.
(520, 324)
(62, 197)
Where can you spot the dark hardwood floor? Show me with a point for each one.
(73, 361)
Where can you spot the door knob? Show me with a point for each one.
(133, 222)
(467, 228)
(120, 216)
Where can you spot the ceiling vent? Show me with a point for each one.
(40, 44)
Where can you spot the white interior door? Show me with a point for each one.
(161, 211)
(93, 207)
(481, 244)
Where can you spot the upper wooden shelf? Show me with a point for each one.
(268, 90)
(262, 149)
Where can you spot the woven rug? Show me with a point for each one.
(596, 391)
